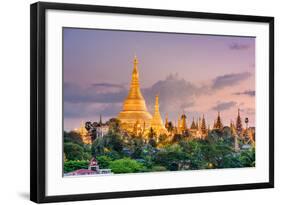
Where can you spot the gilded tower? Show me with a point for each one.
(156, 122)
(134, 108)
(182, 125)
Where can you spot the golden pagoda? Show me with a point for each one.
(134, 110)
(83, 132)
(156, 122)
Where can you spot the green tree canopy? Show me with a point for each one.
(126, 165)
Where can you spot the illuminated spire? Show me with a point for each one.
(183, 122)
(134, 106)
(135, 76)
(156, 122)
(193, 126)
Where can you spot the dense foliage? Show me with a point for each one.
(70, 166)
(123, 153)
(74, 149)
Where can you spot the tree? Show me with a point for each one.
(70, 166)
(104, 161)
(152, 137)
(163, 140)
(195, 153)
(73, 151)
(114, 125)
(170, 127)
(136, 147)
(172, 157)
(110, 145)
(248, 158)
(72, 137)
(126, 165)
(178, 138)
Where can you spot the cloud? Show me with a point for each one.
(107, 85)
(239, 46)
(175, 96)
(229, 79)
(186, 105)
(88, 110)
(248, 111)
(96, 93)
(250, 93)
(224, 105)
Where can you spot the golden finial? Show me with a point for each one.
(136, 60)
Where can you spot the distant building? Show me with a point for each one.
(93, 169)
(101, 128)
(80, 172)
(218, 123)
(239, 127)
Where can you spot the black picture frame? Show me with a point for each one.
(38, 101)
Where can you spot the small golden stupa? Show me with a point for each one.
(157, 122)
(134, 107)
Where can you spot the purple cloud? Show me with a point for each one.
(224, 105)
(250, 93)
(97, 93)
(229, 79)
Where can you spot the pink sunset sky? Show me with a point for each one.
(193, 74)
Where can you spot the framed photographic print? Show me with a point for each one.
(129, 102)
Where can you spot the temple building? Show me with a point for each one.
(156, 122)
(101, 128)
(134, 113)
(203, 127)
(239, 127)
(182, 125)
(198, 128)
(218, 123)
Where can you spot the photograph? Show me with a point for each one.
(142, 102)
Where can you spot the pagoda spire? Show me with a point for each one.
(218, 124)
(183, 122)
(135, 75)
(134, 106)
(100, 119)
(156, 122)
(203, 126)
(193, 126)
(135, 92)
(239, 123)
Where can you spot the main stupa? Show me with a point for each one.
(134, 112)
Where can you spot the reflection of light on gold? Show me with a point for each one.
(134, 107)
(156, 122)
(83, 132)
(134, 117)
